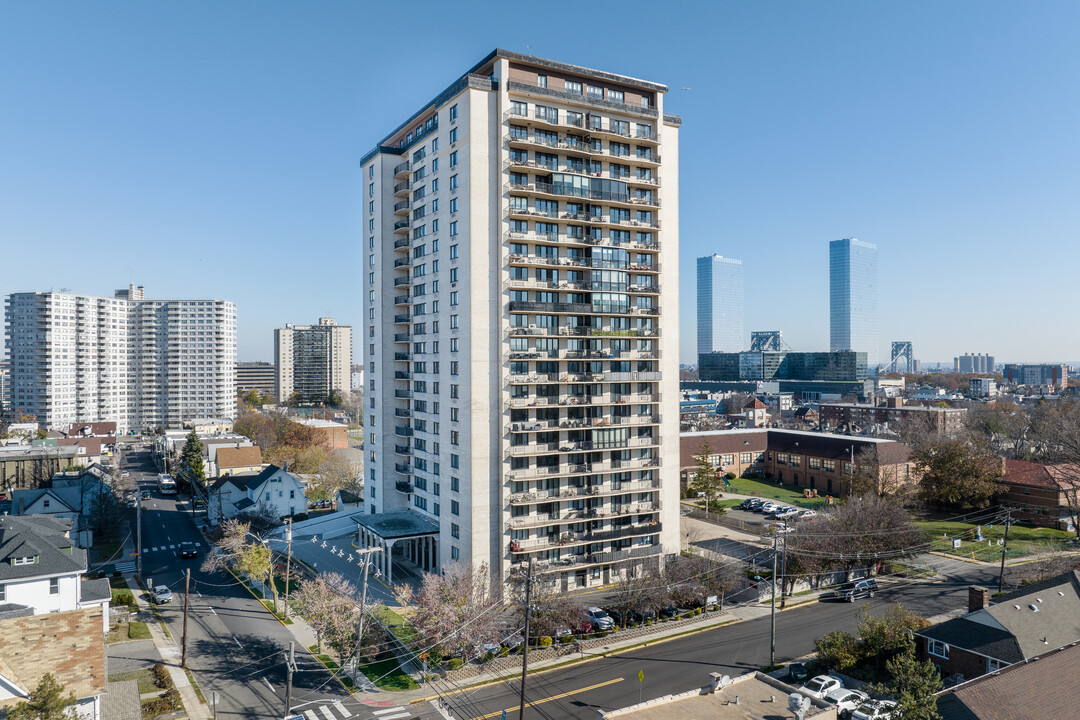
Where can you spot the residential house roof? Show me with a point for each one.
(1019, 625)
(1035, 688)
(100, 429)
(246, 480)
(1021, 472)
(755, 404)
(42, 537)
(67, 644)
(230, 457)
(95, 590)
(91, 446)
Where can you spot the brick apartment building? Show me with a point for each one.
(810, 460)
(942, 421)
(1040, 494)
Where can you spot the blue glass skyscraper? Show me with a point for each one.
(719, 305)
(853, 298)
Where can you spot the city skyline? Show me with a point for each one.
(853, 298)
(237, 161)
(720, 305)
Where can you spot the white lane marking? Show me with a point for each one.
(310, 715)
(341, 709)
(215, 612)
(387, 710)
(236, 641)
(269, 685)
(172, 547)
(326, 711)
(404, 714)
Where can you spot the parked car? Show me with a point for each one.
(749, 503)
(778, 510)
(600, 620)
(797, 673)
(820, 685)
(145, 494)
(874, 710)
(806, 514)
(852, 591)
(162, 594)
(125, 474)
(670, 611)
(845, 700)
(780, 528)
(788, 514)
(188, 550)
(616, 615)
(763, 507)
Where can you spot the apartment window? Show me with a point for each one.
(543, 112)
(453, 229)
(454, 299)
(455, 461)
(453, 344)
(519, 108)
(453, 252)
(453, 159)
(595, 93)
(453, 182)
(573, 87)
(435, 165)
(938, 649)
(455, 554)
(371, 190)
(371, 171)
(453, 274)
(455, 484)
(541, 81)
(453, 205)
(455, 531)
(54, 586)
(615, 95)
(453, 112)
(455, 507)
(453, 135)
(3, 593)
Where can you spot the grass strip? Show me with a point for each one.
(137, 630)
(195, 686)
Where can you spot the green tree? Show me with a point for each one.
(839, 650)
(958, 472)
(913, 684)
(705, 482)
(191, 455)
(46, 702)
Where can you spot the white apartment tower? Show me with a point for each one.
(521, 323)
(142, 363)
(313, 361)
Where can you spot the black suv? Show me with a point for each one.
(853, 591)
(188, 550)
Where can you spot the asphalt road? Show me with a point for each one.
(235, 647)
(685, 663)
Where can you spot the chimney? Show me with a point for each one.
(978, 598)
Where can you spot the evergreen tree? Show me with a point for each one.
(192, 459)
(705, 481)
(46, 702)
(914, 685)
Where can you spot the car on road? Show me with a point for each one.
(188, 550)
(600, 620)
(145, 494)
(845, 700)
(162, 594)
(797, 673)
(852, 591)
(821, 685)
(874, 710)
(125, 474)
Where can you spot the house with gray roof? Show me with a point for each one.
(1016, 627)
(41, 569)
(273, 491)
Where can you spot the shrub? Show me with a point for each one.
(838, 650)
(697, 611)
(631, 624)
(123, 597)
(545, 641)
(300, 517)
(454, 663)
(167, 703)
(161, 677)
(648, 623)
(730, 476)
(565, 639)
(600, 634)
(504, 651)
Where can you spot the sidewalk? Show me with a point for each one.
(170, 657)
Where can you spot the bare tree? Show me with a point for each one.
(455, 610)
(1058, 428)
(327, 603)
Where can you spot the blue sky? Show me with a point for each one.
(210, 149)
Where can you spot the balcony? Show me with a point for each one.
(401, 170)
(402, 375)
(402, 337)
(401, 262)
(402, 413)
(401, 208)
(401, 356)
(403, 431)
(566, 469)
(401, 300)
(398, 282)
(403, 486)
(403, 450)
(402, 319)
(401, 226)
(403, 394)
(401, 243)
(401, 189)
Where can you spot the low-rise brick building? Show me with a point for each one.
(939, 420)
(1043, 495)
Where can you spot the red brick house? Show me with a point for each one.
(1043, 495)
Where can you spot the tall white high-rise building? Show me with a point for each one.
(853, 298)
(720, 305)
(520, 339)
(142, 363)
(313, 361)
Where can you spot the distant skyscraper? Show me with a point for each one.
(853, 298)
(313, 361)
(719, 305)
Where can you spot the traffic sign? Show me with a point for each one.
(641, 676)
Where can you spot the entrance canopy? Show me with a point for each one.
(415, 535)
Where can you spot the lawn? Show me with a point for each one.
(145, 676)
(138, 630)
(768, 489)
(1023, 541)
(386, 674)
(395, 624)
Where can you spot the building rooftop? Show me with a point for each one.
(317, 423)
(43, 538)
(229, 457)
(1034, 688)
(396, 525)
(754, 696)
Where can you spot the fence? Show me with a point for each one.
(753, 528)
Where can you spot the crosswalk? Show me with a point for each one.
(174, 547)
(328, 712)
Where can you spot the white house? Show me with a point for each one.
(274, 491)
(41, 569)
(69, 498)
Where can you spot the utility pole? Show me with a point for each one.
(290, 668)
(772, 614)
(214, 693)
(138, 535)
(288, 562)
(525, 646)
(1004, 549)
(363, 607)
(187, 589)
(783, 572)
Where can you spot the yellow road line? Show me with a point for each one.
(549, 699)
